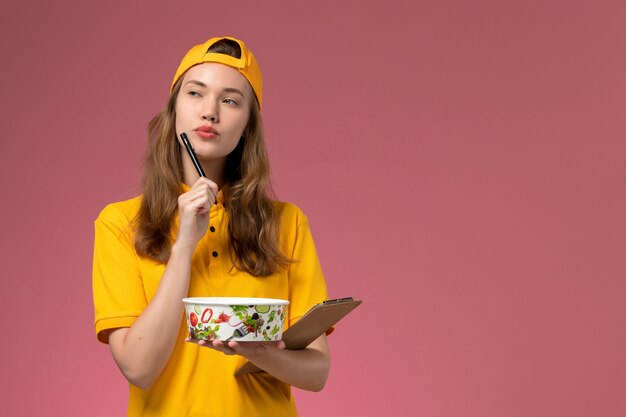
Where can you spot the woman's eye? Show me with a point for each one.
(194, 93)
(230, 101)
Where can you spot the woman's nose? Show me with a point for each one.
(209, 113)
(211, 117)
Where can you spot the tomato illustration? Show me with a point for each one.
(222, 318)
(193, 319)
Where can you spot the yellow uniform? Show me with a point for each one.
(199, 381)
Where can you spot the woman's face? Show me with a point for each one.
(212, 108)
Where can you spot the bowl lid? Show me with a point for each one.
(228, 301)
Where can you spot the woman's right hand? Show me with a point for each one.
(193, 212)
(143, 349)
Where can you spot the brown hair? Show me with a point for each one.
(253, 220)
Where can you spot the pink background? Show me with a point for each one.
(462, 164)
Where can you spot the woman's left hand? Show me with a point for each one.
(305, 368)
(250, 350)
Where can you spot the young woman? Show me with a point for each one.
(216, 236)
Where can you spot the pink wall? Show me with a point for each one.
(462, 164)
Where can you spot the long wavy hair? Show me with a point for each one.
(253, 220)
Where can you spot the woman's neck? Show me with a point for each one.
(214, 170)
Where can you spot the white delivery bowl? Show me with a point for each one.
(233, 318)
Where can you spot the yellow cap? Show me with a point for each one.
(246, 65)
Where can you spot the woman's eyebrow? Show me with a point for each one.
(233, 90)
(198, 83)
(226, 90)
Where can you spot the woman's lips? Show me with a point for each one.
(206, 132)
(206, 135)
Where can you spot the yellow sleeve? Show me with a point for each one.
(118, 292)
(307, 286)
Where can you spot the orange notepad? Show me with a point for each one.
(312, 325)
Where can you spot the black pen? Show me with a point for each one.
(192, 154)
